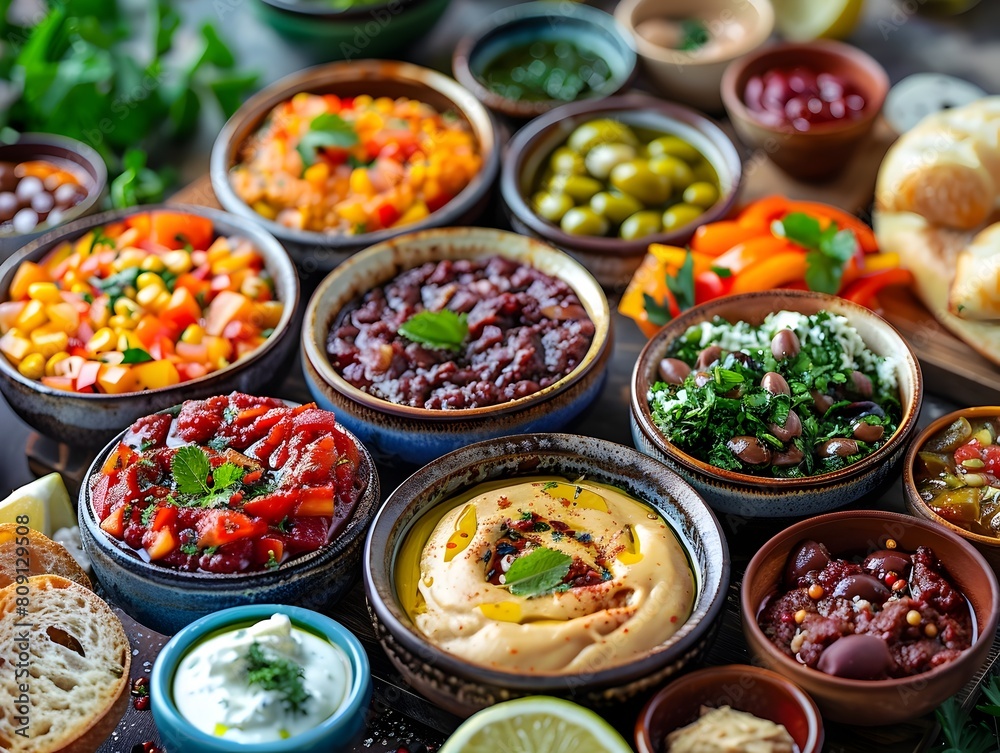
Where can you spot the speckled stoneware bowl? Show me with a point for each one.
(165, 599)
(611, 259)
(90, 420)
(757, 691)
(314, 251)
(419, 435)
(762, 497)
(874, 702)
(512, 27)
(334, 733)
(463, 687)
(47, 146)
(988, 546)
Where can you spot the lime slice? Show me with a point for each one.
(537, 724)
(802, 20)
(44, 503)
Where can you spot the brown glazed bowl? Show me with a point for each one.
(88, 163)
(988, 546)
(874, 702)
(419, 435)
(463, 687)
(90, 420)
(612, 260)
(314, 251)
(823, 151)
(765, 694)
(760, 497)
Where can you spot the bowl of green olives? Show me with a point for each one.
(602, 180)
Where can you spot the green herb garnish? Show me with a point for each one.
(190, 548)
(695, 34)
(148, 514)
(681, 287)
(136, 355)
(443, 329)
(278, 674)
(827, 250)
(538, 572)
(325, 130)
(191, 469)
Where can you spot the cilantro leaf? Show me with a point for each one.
(190, 468)
(723, 272)
(681, 285)
(226, 475)
(827, 250)
(272, 672)
(136, 355)
(823, 274)
(325, 130)
(537, 573)
(656, 313)
(443, 329)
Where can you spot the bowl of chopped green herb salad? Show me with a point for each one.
(777, 404)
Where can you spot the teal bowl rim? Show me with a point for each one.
(165, 710)
(327, 14)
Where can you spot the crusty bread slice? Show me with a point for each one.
(45, 557)
(79, 660)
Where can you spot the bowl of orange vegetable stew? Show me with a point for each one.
(772, 243)
(117, 315)
(220, 502)
(346, 155)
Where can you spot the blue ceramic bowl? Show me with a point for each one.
(91, 419)
(419, 435)
(764, 497)
(333, 734)
(165, 599)
(464, 687)
(589, 28)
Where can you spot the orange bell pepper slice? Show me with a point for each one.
(844, 220)
(760, 214)
(771, 272)
(750, 252)
(175, 229)
(716, 238)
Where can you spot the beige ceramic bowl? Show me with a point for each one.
(691, 78)
(988, 546)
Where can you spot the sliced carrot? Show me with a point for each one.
(716, 238)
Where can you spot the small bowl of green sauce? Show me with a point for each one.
(530, 58)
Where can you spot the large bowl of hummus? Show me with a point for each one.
(544, 563)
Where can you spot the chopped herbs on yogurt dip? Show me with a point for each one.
(796, 396)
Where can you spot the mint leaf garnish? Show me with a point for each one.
(325, 130)
(537, 573)
(827, 250)
(190, 467)
(443, 329)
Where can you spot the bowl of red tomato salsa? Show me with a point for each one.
(129, 312)
(227, 501)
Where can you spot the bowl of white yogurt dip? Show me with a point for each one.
(258, 678)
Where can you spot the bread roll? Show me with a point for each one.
(79, 661)
(45, 557)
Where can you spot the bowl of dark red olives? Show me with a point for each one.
(879, 616)
(45, 180)
(809, 106)
(951, 476)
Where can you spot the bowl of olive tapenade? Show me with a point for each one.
(951, 476)
(604, 179)
(775, 404)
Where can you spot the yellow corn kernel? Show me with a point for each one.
(177, 262)
(129, 340)
(317, 173)
(416, 212)
(193, 334)
(265, 210)
(71, 278)
(103, 340)
(46, 292)
(50, 365)
(33, 366)
(149, 280)
(48, 340)
(161, 302)
(121, 323)
(218, 250)
(152, 263)
(352, 211)
(147, 296)
(80, 288)
(128, 258)
(15, 347)
(361, 183)
(127, 308)
(31, 316)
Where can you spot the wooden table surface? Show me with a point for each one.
(903, 42)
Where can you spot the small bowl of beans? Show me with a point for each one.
(809, 106)
(45, 180)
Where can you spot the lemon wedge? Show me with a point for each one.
(537, 724)
(44, 504)
(802, 20)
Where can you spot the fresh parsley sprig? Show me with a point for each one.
(276, 673)
(827, 250)
(191, 470)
